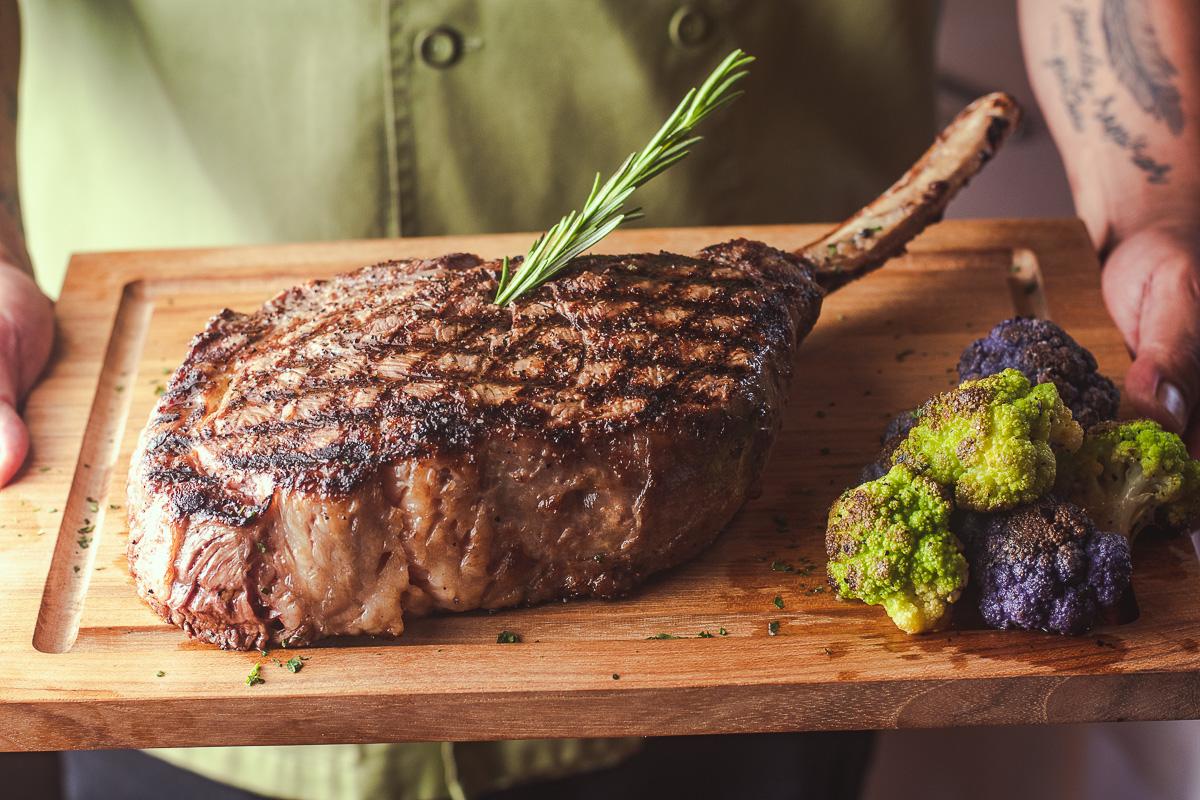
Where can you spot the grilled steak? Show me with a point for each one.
(390, 442)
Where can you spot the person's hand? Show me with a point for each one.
(26, 336)
(1151, 284)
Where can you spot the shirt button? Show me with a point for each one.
(439, 47)
(690, 26)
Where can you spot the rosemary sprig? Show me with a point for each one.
(579, 231)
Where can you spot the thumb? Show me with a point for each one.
(1153, 290)
(26, 336)
(14, 442)
(14, 439)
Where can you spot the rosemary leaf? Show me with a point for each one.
(604, 210)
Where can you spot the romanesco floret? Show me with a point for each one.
(1044, 566)
(1043, 352)
(993, 440)
(1128, 475)
(889, 543)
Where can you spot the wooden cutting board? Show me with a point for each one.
(84, 664)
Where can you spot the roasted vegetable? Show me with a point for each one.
(1044, 566)
(889, 543)
(993, 440)
(1128, 475)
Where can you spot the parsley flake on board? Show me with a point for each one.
(294, 665)
(507, 637)
(773, 627)
(254, 677)
(778, 602)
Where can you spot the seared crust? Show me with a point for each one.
(391, 441)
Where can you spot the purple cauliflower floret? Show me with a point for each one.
(1045, 352)
(1044, 566)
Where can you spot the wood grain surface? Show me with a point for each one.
(84, 664)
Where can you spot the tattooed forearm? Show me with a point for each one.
(1117, 133)
(1139, 63)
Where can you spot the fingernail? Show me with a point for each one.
(1172, 401)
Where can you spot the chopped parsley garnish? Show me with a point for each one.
(616, 677)
(781, 566)
(704, 635)
(778, 602)
(507, 637)
(722, 631)
(663, 636)
(159, 674)
(903, 354)
(254, 677)
(262, 548)
(294, 665)
(773, 627)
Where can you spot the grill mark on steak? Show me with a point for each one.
(320, 402)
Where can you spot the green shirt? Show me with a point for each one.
(161, 123)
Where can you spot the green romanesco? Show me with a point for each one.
(889, 543)
(993, 440)
(1128, 475)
